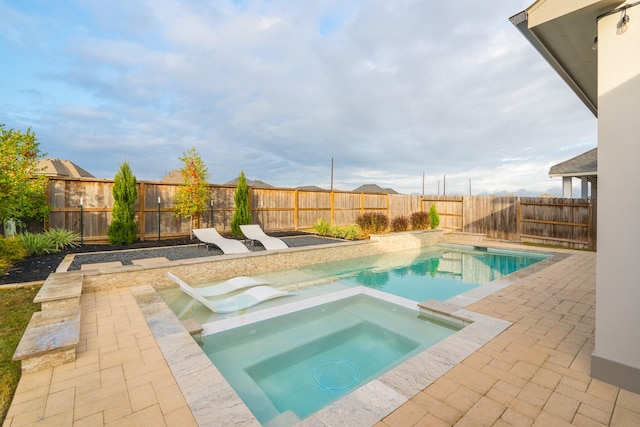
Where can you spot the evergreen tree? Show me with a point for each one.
(193, 194)
(123, 228)
(241, 214)
(434, 218)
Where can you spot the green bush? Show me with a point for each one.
(322, 227)
(347, 232)
(49, 242)
(400, 223)
(241, 214)
(11, 251)
(434, 218)
(419, 221)
(372, 223)
(350, 232)
(37, 243)
(61, 238)
(123, 228)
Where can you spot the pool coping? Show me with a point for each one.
(201, 382)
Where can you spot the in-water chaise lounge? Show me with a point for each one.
(228, 286)
(241, 301)
(254, 232)
(210, 236)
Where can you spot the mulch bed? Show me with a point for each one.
(38, 268)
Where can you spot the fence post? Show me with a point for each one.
(141, 210)
(518, 216)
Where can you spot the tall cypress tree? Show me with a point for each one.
(123, 229)
(241, 214)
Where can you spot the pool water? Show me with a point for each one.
(293, 365)
(432, 273)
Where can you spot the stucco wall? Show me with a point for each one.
(617, 349)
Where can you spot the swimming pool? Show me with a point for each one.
(288, 367)
(440, 272)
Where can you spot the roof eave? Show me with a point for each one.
(520, 21)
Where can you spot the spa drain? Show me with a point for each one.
(335, 375)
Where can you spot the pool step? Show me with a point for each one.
(53, 333)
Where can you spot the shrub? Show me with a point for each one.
(61, 238)
(350, 232)
(322, 227)
(434, 218)
(347, 232)
(241, 214)
(123, 227)
(11, 251)
(372, 223)
(37, 244)
(419, 220)
(400, 223)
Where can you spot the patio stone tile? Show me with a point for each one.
(472, 378)
(605, 391)
(431, 420)
(595, 414)
(439, 409)
(513, 418)
(546, 420)
(62, 401)
(625, 417)
(535, 394)
(629, 400)
(524, 370)
(407, 415)
(484, 413)
(463, 399)
(181, 417)
(561, 406)
(142, 397)
(546, 378)
(90, 421)
(150, 416)
(581, 421)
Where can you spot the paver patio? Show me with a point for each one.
(534, 373)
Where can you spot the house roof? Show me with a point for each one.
(585, 164)
(175, 176)
(61, 168)
(563, 32)
(374, 188)
(255, 184)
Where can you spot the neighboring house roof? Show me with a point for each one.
(573, 58)
(61, 168)
(373, 188)
(310, 188)
(175, 176)
(585, 164)
(255, 184)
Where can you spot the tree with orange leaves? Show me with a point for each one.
(193, 195)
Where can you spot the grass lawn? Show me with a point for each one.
(16, 308)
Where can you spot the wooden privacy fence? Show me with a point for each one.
(85, 205)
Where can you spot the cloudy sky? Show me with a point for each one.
(391, 89)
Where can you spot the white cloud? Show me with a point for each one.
(390, 89)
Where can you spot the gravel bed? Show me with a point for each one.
(173, 253)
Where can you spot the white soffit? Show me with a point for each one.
(563, 31)
(548, 10)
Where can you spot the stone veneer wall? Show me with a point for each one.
(198, 270)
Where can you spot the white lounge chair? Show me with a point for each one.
(210, 236)
(226, 287)
(243, 300)
(254, 232)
